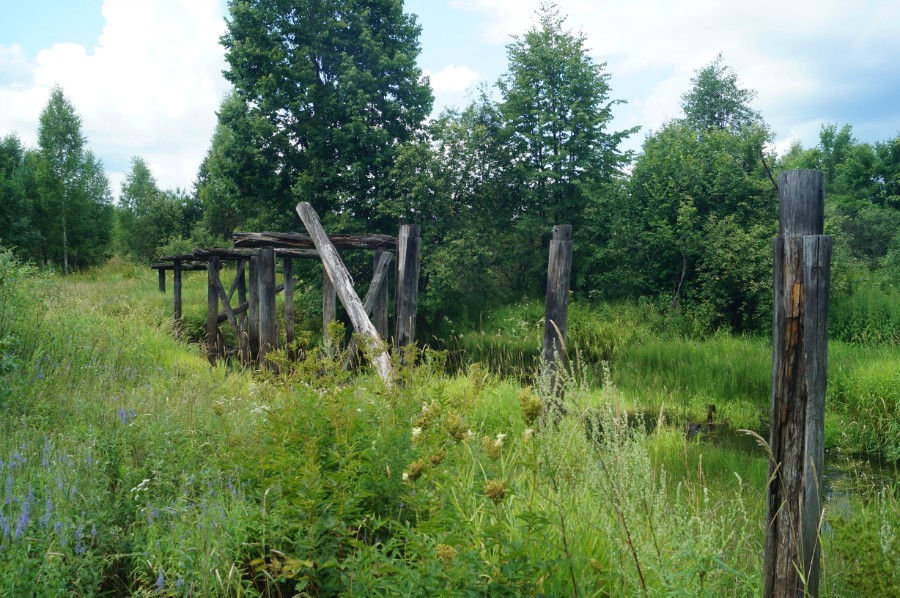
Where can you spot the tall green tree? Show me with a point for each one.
(339, 83)
(17, 193)
(716, 100)
(74, 211)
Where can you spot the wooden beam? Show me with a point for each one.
(288, 299)
(344, 288)
(212, 310)
(253, 308)
(801, 274)
(407, 284)
(379, 311)
(302, 241)
(329, 302)
(556, 306)
(268, 330)
(375, 292)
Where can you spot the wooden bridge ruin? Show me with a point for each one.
(255, 254)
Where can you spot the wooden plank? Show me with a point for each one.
(253, 308)
(268, 330)
(801, 279)
(185, 266)
(329, 302)
(304, 241)
(239, 274)
(288, 300)
(162, 281)
(379, 311)
(556, 307)
(344, 288)
(407, 285)
(376, 290)
(212, 311)
(176, 292)
(242, 302)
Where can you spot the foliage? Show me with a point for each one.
(74, 212)
(338, 82)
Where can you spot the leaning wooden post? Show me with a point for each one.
(268, 330)
(176, 292)
(162, 280)
(380, 309)
(288, 300)
(556, 307)
(802, 263)
(336, 270)
(329, 303)
(407, 284)
(212, 309)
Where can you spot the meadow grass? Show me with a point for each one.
(129, 466)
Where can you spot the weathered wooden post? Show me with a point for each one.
(242, 319)
(802, 263)
(176, 292)
(329, 302)
(289, 332)
(253, 308)
(380, 309)
(407, 284)
(556, 307)
(161, 272)
(336, 270)
(212, 309)
(268, 330)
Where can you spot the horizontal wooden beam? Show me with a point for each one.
(184, 266)
(303, 241)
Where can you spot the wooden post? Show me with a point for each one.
(407, 284)
(176, 291)
(370, 304)
(556, 308)
(268, 330)
(212, 310)
(288, 300)
(802, 263)
(341, 280)
(329, 302)
(253, 308)
(380, 309)
(242, 320)
(161, 272)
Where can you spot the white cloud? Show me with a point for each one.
(452, 79)
(149, 87)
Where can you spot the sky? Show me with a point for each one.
(145, 75)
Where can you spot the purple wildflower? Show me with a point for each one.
(123, 416)
(160, 580)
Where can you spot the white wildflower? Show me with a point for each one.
(529, 434)
(405, 476)
(416, 432)
(499, 441)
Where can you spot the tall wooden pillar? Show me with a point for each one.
(268, 330)
(380, 308)
(329, 303)
(253, 309)
(556, 309)
(289, 300)
(802, 264)
(244, 339)
(212, 310)
(176, 292)
(407, 284)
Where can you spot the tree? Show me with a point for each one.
(716, 101)
(17, 178)
(73, 214)
(556, 107)
(338, 82)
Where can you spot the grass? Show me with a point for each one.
(129, 466)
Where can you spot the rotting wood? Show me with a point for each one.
(226, 305)
(253, 308)
(288, 300)
(344, 288)
(373, 295)
(304, 241)
(176, 293)
(185, 266)
(407, 284)
(212, 311)
(379, 312)
(244, 338)
(245, 252)
(801, 274)
(556, 308)
(329, 303)
(268, 331)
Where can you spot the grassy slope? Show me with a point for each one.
(132, 466)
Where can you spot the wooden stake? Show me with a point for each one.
(212, 310)
(407, 285)
(380, 309)
(162, 280)
(288, 300)
(556, 308)
(341, 280)
(802, 262)
(268, 330)
(253, 308)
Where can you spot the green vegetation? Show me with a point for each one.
(129, 466)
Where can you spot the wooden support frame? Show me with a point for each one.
(407, 284)
(344, 289)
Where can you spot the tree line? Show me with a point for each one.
(329, 106)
